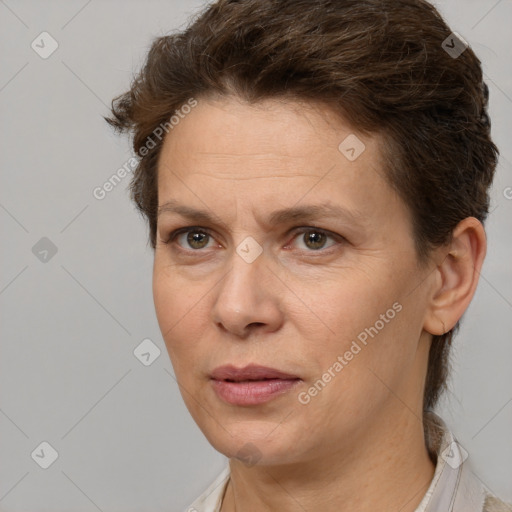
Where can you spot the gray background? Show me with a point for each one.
(68, 375)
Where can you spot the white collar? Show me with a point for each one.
(211, 499)
(454, 487)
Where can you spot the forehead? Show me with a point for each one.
(227, 137)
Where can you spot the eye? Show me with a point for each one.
(191, 238)
(196, 238)
(315, 239)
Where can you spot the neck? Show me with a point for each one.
(386, 467)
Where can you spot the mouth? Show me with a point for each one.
(252, 384)
(252, 380)
(249, 373)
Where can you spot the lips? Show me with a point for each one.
(249, 373)
(251, 385)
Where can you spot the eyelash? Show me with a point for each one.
(297, 231)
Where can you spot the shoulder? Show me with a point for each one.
(494, 504)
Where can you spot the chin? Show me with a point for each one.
(253, 444)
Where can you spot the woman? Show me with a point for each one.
(315, 177)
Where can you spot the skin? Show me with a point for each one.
(359, 443)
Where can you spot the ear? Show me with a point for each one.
(456, 276)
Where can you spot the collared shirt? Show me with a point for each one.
(454, 486)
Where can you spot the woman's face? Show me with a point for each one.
(302, 261)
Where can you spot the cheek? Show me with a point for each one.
(182, 311)
(171, 294)
(377, 348)
(346, 307)
(165, 293)
(370, 327)
(173, 306)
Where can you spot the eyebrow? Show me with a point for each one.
(283, 216)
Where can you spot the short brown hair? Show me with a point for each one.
(380, 64)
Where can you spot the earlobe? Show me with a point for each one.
(457, 276)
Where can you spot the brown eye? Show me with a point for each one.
(311, 239)
(314, 239)
(191, 239)
(197, 239)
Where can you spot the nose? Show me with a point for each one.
(248, 299)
